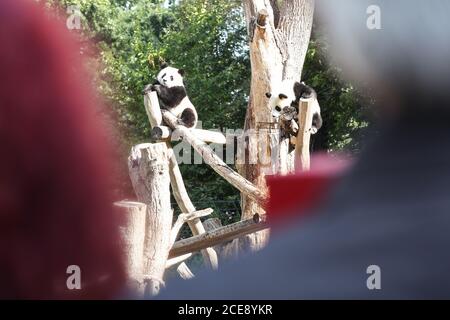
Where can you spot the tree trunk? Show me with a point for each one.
(149, 172)
(279, 33)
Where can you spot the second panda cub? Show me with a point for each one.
(172, 95)
(285, 101)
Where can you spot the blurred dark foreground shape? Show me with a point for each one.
(55, 209)
(389, 216)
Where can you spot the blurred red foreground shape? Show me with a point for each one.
(296, 195)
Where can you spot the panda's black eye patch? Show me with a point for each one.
(171, 78)
(278, 108)
(163, 75)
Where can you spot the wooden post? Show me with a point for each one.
(302, 156)
(176, 180)
(132, 231)
(209, 136)
(153, 113)
(149, 173)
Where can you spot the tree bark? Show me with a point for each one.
(305, 117)
(279, 33)
(149, 173)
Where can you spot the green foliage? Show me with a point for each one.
(345, 113)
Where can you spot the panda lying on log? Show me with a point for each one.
(172, 95)
(285, 101)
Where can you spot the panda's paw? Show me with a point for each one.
(313, 130)
(186, 124)
(188, 118)
(148, 88)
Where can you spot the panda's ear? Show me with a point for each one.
(181, 72)
(163, 65)
(268, 94)
(282, 96)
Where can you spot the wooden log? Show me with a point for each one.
(184, 272)
(132, 231)
(182, 268)
(163, 133)
(218, 236)
(177, 260)
(283, 156)
(160, 133)
(149, 173)
(215, 162)
(212, 224)
(151, 104)
(209, 136)
(225, 250)
(176, 180)
(302, 156)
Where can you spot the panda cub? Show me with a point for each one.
(172, 95)
(285, 101)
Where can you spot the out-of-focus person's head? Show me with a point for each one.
(55, 208)
(399, 48)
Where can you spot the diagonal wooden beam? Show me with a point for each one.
(214, 161)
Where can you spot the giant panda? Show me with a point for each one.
(284, 101)
(172, 95)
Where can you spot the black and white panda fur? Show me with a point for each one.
(285, 100)
(172, 95)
